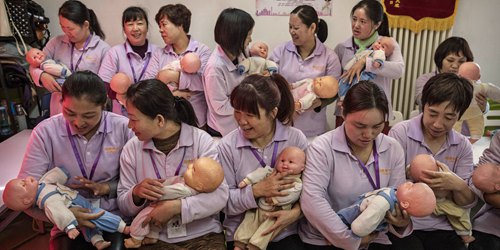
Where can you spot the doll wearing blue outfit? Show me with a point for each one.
(381, 49)
(50, 195)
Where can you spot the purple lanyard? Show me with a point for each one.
(367, 173)
(261, 161)
(77, 154)
(146, 63)
(81, 56)
(156, 167)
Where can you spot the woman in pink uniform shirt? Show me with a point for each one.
(349, 161)
(131, 57)
(85, 140)
(305, 56)
(368, 23)
(233, 33)
(166, 141)
(82, 47)
(174, 21)
(263, 108)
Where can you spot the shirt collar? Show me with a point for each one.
(185, 139)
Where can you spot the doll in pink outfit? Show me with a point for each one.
(307, 90)
(170, 74)
(458, 217)
(204, 175)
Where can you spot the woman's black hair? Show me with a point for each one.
(178, 14)
(134, 13)
(85, 84)
(375, 11)
(445, 87)
(452, 45)
(78, 13)
(365, 95)
(231, 30)
(152, 98)
(308, 16)
(267, 92)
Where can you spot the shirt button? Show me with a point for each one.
(85, 142)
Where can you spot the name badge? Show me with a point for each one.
(175, 228)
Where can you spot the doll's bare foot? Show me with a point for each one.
(132, 243)
(102, 244)
(149, 241)
(467, 238)
(126, 230)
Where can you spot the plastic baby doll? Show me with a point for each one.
(36, 58)
(50, 195)
(486, 177)
(170, 74)
(120, 83)
(473, 116)
(458, 217)
(257, 63)
(249, 232)
(368, 213)
(381, 49)
(204, 175)
(307, 90)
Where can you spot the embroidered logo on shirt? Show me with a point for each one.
(110, 150)
(385, 171)
(319, 67)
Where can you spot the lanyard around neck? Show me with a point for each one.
(84, 49)
(77, 154)
(146, 63)
(157, 172)
(261, 161)
(375, 184)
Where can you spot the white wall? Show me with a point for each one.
(476, 21)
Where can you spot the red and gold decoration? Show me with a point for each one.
(418, 15)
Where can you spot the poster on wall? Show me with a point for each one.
(284, 7)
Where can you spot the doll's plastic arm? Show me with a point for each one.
(298, 83)
(56, 175)
(245, 182)
(307, 101)
(370, 217)
(244, 66)
(242, 69)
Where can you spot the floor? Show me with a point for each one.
(19, 235)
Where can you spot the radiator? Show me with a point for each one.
(418, 54)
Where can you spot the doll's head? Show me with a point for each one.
(420, 163)
(486, 177)
(19, 194)
(470, 71)
(386, 44)
(292, 160)
(204, 175)
(190, 63)
(259, 49)
(325, 86)
(416, 198)
(35, 57)
(119, 83)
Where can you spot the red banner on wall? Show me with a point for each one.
(417, 15)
